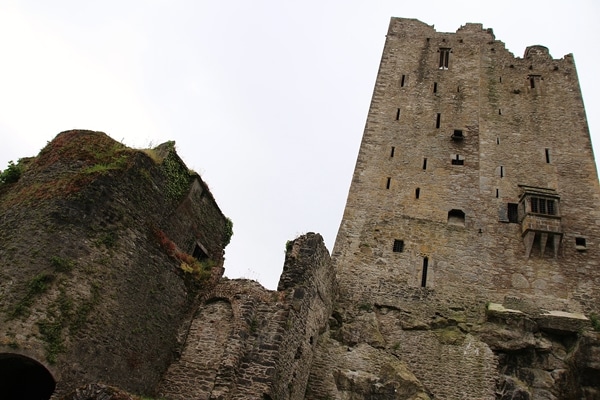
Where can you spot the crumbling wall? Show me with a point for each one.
(88, 287)
(249, 342)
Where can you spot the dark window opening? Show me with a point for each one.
(548, 156)
(501, 172)
(392, 152)
(434, 87)
(542, 206)
(580, 243)
(398, 246)
(424, 163)
(497, 193)
(500, 79)
(456, 217)
(417, 192)
(424, 272)
(497, 140)
(513, 212)
(389, 181)
(444, 58)
(458, 161)
(402, 81)
(457, 134)
(532, 82)
(458, 89)
(397, 114)
(438, 120)
(199, 254)
(24, 378)
(499, 111)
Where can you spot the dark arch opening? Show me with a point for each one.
(23, 378)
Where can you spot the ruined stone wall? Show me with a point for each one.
(87, 289)
(248, 342)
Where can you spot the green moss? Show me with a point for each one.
(61, 264)
(229, 232)
(38, 285)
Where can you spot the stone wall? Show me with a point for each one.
(248, 342)
(87, 289)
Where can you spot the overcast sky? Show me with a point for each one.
(267, 100)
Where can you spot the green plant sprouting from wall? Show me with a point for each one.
(228, 231)
(12, 173)
(178, 177)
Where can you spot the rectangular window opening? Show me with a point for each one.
(434, 87)
(580, 243)
(543, 206)
(532, 82)
(497, 193)
(457, 134)
(397, 114)
(417, 192)
(438, 119)
(392, 152)
(389, 181)
(513, 212)
(424, 163)
(501, 172)
(499, 111)
(444, 58)
(424, 272)
(402, 81)
(547, 156)
(458, 161)
(398, 246)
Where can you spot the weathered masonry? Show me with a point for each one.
(475, 186)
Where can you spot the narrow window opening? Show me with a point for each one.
(392, 152)
(500, 79)
(434, 87)
(424, 163)
(499, 111)
(532, 82)
(438, 119)
(580, 243)
(398, 246)
(501, 172)
(444, 58)
(497, 193)
(417, 192)
(403, 80)
(424, 272)
(389, 181)
(513, 212)
(497, 140)
(547, 156)
(397, 114)
(458, 160)
(458, 89)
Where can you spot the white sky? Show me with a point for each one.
(267, 100)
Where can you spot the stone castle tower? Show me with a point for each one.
(475, 191)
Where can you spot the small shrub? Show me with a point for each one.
(12, 173)
(595, 320)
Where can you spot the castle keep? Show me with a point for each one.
(465, 266)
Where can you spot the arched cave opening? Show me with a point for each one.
(23, 378)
